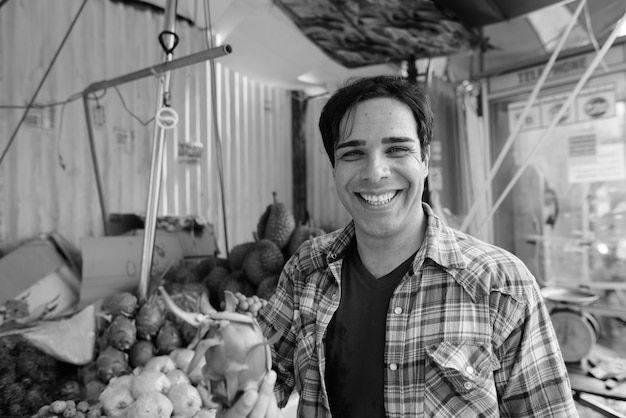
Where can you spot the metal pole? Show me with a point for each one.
(520, 121)
(208, 54)
(555, 120)
(168, 41)
(96, 169)
(216, 129)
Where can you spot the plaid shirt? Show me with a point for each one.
(468, 333)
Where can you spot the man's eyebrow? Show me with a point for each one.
(386, 140)
(398, 139)
(352, 143)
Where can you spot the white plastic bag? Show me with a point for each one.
(71, 340)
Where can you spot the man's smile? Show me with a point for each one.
(378, 199)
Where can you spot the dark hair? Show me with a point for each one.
(366, 88)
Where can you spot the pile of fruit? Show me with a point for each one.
(253, 267)
(29, 378)
(144, 350)
(162, 387)
(142, 369)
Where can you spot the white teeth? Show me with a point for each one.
(378, 199)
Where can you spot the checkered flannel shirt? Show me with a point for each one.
(468, 333)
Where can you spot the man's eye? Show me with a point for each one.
(349, 155)
(398, 151)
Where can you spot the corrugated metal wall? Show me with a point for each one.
(47, 179)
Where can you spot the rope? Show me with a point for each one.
(43, 79)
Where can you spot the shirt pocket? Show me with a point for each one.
(459, 380)
(305, 348)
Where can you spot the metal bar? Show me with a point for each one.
(216, 127)
(187, 60)
(520, 121)
(158, 148)
(96, 169)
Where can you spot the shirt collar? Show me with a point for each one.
(337, 247)
(440, 243)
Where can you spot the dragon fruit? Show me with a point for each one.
(168, 338)
(150, 318)
(111, 363)
(237, 357)
(122, 333)
(237, 354)
(141, 352)
(124, 303)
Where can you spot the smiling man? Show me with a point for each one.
(379, 171)
(398, 315)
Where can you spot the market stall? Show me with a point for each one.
(173, 233)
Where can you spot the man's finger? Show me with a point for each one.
(266, 396)
(242, 407)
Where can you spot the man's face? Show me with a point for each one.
(379, 172)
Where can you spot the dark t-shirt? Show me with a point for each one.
(355, 342)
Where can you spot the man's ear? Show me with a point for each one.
(426, 159)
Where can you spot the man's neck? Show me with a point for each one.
(382, 256)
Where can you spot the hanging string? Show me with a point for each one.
(43, 79)
(218, 140)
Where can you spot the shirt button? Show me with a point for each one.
(469, 370)
(468, 385)
(398, 310)
(334, 296)
(393, 366)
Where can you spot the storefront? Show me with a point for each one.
(565, 216)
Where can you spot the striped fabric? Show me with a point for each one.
(468, 332)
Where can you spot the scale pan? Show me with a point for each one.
(565, 295)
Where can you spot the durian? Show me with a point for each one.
(264, 259)
(238, 254)
(302, 233)
(276, 224)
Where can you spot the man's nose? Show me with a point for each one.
(376, 168)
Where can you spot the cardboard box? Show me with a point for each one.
(123, 223)
(113, 264)
(197, 239)
(37, 282)
(192, 243)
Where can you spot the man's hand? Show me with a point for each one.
(253, 404)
